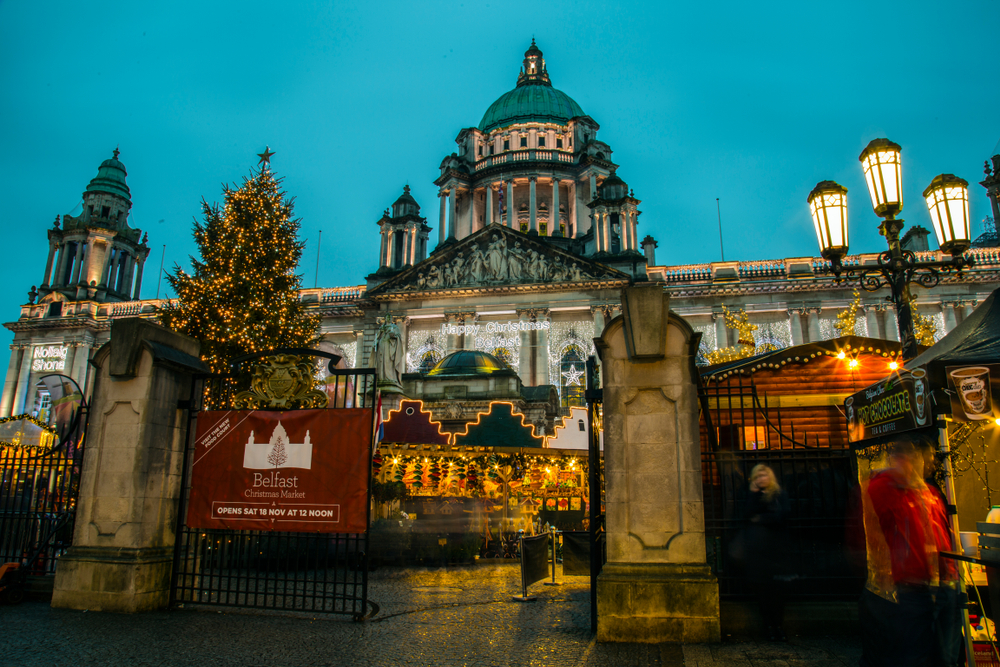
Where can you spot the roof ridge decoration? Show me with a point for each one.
(497, 256)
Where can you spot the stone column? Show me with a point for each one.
(633, 222)
(451, 340)
(656, 586)
(606, 231)
(554, 216)
(17, 352)
(967, 308)
(23, 380)
(532, 204)
(138, 278)
(470, 226)
(542, 351)
(129, 273)
(488, 218)
(77, 263)
(593, 187)
(382, 250)
(871, 321)
(598, 313)
(524, 350)
(443, 196)
(453, 214)
(812, 324)
(721, 332)
(123, 540)
(510, 205)
(948, 310)
(60, 261)
(48, 265)
(571, 210)
(795, 324)
(891, 327)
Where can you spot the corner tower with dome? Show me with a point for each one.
(535, 164)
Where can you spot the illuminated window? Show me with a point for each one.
(733, 437)
(572, 376)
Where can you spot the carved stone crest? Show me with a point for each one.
(281, 382)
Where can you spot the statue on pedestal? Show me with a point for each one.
(390, 356)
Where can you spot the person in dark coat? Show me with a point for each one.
(767, 546)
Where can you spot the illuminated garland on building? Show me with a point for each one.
(244, 294)
(47, 438)
(847, 319)
(746, 345)
(924, 328)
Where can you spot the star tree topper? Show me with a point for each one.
(265, 157)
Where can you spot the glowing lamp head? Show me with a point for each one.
(853, 363)
(893, 365)
(882, 167)
(948, 203)
(841, 355)
(828, 206)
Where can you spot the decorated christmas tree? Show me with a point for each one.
(243, 295)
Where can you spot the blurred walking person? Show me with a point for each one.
(767, 546)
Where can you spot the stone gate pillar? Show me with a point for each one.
(656, 585)
(123, 541)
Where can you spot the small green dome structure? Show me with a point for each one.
(111, 178)
(469, 362)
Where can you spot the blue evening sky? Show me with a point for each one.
(753, 103)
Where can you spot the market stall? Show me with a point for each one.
(457, 496)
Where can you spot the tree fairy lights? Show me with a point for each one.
(243, 296)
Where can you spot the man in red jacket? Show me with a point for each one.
(907, 512)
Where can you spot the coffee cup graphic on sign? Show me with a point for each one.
(920, 395)
(973, 387)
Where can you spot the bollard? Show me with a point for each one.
(552, 532)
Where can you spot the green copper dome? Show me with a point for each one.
(468, 362)
(111, 178)
(530, 103)
(534, 99)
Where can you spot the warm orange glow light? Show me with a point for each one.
(853, 363)
(841, 355)
(893, 365)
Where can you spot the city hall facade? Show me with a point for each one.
(533, 238)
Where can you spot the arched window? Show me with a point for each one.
(572, 375)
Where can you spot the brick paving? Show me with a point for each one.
(459, 616)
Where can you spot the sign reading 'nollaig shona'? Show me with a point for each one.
(49, 358)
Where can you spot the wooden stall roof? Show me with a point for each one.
(833, 368)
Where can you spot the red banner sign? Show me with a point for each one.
(300, 470)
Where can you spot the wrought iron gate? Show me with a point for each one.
(40, 483)
(309, 572)
(595, 411)
(740, 430)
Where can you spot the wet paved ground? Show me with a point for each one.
(455, 616)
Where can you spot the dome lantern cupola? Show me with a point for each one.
(533, 71)
(533, 100)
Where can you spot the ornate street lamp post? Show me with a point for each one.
(948, 204)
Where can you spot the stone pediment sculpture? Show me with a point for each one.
(497, 256)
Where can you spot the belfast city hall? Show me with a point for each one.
(524, 258)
